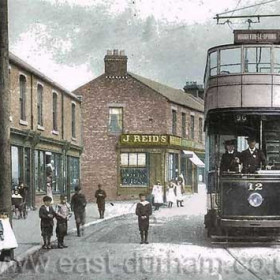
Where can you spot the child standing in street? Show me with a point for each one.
(143, 211)
(46, 214)
(170, 195)
(63, 213)
(78, 206)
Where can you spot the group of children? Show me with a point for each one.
(62, 213)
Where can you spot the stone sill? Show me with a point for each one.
(22, 122)
(39, 127)
(55, 132)
(74, 139)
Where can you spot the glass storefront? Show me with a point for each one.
(17, 165)
(134, 169)
(73, 167)
(173, 166)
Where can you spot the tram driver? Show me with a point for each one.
(252, 158)
(231, 158)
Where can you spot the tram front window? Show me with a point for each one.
(244, 144)
(213, 64)
(257, 60)
(230, 61)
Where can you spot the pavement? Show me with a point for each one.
(28, 233)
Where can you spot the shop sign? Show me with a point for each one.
(175, 141)
(144, 139)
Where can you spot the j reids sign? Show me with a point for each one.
(144, 139)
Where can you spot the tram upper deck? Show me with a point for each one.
(245, 74)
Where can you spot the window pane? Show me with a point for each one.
(15, 166)
(22, 85)
(124, 159)
(141, 160)
(213, 64)
(115, 119)
(132, 159)
(277, 60)
(257, 60)
(230, 61)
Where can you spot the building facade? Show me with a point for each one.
(137, 131)
(45, 132)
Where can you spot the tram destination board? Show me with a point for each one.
(267, 36)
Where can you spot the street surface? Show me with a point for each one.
(178, 249)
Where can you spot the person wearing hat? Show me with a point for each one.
(100, 200)
(78, 206)
(47, 214)
(231, 158)
(252, 158)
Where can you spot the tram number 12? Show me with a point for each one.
(256, 187)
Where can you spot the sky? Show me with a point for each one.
(165, 40)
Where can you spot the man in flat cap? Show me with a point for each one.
(252, 158)
(231, 158)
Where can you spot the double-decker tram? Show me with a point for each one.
(242, 124)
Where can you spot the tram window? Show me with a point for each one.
(230, 61)
(257, 60)
(277, 60)
(213, 64)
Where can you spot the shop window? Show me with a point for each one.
(115, 120)
(200, 129)
(276, 60)
(40, 105)
(57, 173)
(22, 98)
(134, 169)
(174, 122)
(17, 166)
(173, 162)
(73, 172)
(55, 111)
(40, 171)
(184, 130)
(192, 127)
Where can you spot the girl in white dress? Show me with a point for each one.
(158, 195)
(170, 195)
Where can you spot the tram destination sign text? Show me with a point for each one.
(257, 36)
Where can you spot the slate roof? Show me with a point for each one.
(174, 95)
(17, 61)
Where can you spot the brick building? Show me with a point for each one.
(137, 131)
(45, 132)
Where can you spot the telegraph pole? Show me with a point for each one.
(5, 102)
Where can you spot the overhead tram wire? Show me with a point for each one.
(247, 7)
(249, 20)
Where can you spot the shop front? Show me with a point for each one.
(144, 159)
(34, 159)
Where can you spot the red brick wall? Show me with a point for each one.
(144, 111)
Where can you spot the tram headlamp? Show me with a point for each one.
(255, 199)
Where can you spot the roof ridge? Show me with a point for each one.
(175, 95)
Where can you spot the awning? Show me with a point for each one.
(194, 158)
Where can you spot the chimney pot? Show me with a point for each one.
(109, 52)
(116, 64)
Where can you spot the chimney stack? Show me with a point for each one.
(115, 64)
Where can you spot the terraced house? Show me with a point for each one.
(45, 132)
(137, 131)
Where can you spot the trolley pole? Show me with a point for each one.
(5, 104)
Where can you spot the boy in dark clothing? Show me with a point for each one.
(143, 211)
(78, 206)
(63, 213)
(46, 214)
(100, 200)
